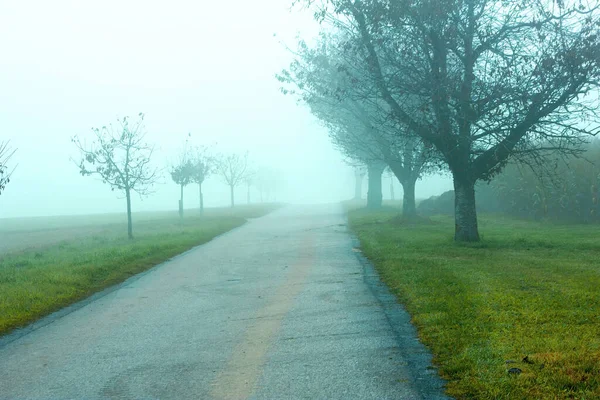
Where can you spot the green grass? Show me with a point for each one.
(527, 289)
(38, 281)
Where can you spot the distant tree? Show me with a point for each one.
(232, 169)
(359, 176)
(182, 173)
(392, 177)
(267, 181)
(119, 155)
(249, 180)
(333, 79)
(6, 153)
(203, 165)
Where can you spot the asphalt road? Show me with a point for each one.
(281, 308)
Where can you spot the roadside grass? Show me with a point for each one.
(527, 296)
(37, 281)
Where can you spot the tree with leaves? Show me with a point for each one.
(182, 173)
(333, 80)
(203, 165)
(481, 81)
(122, 159)
(232, 169)
(6, 153)
(249, 181)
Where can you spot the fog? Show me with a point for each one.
(205, 68)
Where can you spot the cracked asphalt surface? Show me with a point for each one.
(281, 308)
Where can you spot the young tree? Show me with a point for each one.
(203, 164)
(182, 174)
(232, 169)
(119, 155)
(249, 180)
(6, 153)
(481, 81)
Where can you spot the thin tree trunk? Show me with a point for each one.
(465, 213)
(231, 187)
(392, 193)
(375, 195)
(201, 197)
(181, 203)
(409, 205)
(248, 194)
(129, 219)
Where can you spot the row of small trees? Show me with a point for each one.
(120, 156)
(464, 86)
(196, 164)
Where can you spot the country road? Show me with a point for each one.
(281, 308)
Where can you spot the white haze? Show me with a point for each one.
(205, 67)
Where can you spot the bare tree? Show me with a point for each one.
(232, 169)
(6, 153)
(481, 81)
(119, 155)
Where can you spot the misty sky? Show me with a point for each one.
(201, 67)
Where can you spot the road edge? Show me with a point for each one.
(423, 373)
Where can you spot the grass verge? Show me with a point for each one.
(525, 297)
(37, 281)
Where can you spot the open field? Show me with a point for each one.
(17, 234)
(67, 259)
(526, 297)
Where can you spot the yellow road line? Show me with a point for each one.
(239, 378)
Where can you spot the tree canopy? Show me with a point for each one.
(479, 81)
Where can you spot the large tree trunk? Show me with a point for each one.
(375, 195)
(231, 187)
(201, 197)
(358, 176)
(409, 205)
(129, 220)
(465, 213)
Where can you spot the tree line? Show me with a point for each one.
(462, 86)
(120, 156)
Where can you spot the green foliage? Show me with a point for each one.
(528, 289)
(560, 189)
(183, 174)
